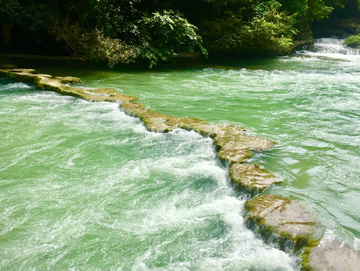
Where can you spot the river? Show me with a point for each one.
(83, 186)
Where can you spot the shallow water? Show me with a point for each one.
(85, 186)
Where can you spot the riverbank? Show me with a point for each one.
(234, 147)
(182, 59)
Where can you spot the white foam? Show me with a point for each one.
(14, 86)
(332, 48)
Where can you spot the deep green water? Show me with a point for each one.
(85, 187)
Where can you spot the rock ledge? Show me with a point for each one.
(283, 218)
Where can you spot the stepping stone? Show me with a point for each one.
(331, 255)
(286, 219)
(251, 178)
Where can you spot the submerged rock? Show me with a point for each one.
(331, 255)
(251, 178)
(283, 218)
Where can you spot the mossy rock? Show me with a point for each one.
(57, 84)
(102, 95)
(237, 147)
(286, 219)
(232, 143)
(154, 121)
(252, 179)
(68, 79)
(22, 75)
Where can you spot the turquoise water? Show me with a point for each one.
(85, 187)
(307, 103)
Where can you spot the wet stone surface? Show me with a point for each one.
(285, 218)
(331, 255)
(58, 84)
(251, 178)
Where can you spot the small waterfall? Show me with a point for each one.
(330, 46)
(333, 46)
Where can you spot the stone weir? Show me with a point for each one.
(281, 220)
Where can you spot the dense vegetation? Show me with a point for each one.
(122, 31)
(353, 41)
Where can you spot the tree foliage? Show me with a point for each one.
(163, 33)
(122, 31)
(110, 30)
(257, 29)
(353, 41)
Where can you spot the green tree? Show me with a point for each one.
(110, 30)
(251, 27)
(165, 32)
(353, 41)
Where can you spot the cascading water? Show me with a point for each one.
(330, 47)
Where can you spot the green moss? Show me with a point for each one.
(306, 254)
(289, 221)
(353, 41)
(251, 178)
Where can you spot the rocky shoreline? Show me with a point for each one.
(287, 221)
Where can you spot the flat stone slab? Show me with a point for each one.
(331, 255)
(252, 178)
(282, 217)
(58, 84)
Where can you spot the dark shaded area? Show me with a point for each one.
(114, 31)
(38, 42)
(343, 21)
